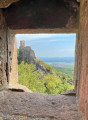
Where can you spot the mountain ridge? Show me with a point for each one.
(58, 59)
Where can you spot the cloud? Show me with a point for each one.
(58, 44)
(33, 36)
(38, 37)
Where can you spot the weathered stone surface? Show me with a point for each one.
(17, 87)
(82, 64)
(12, 59)
(3, 52)
(8, 55)
(77, 63)
(69, 93)
(26, 53)
(33, 14)
(44, 30)
(35, 106)
(6, 3)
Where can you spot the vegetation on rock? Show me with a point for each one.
(51, 83)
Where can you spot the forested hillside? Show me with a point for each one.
(36, 81)
(40, 77)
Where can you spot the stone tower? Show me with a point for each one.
(26, 53)
(22, 44)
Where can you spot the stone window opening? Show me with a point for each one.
(24, 47)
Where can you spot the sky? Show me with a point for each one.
(49, 45)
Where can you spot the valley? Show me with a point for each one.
(63, 64)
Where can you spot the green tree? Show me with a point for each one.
(31, 78)
(55, 83)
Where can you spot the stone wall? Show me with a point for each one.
(42, 14)
(3, 53)
(8, 55)
(77, 70)
(82, 60)
(12, 53)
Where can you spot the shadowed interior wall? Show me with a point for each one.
(3, 53)
(8, 55)
(43, 14)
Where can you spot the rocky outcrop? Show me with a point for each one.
(26, 54)
(41, 68)
(18, 88)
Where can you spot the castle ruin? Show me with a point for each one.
(26, 54)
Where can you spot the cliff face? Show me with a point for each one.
(26, 54)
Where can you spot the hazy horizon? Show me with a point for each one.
(49, 45)
(56, 57)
